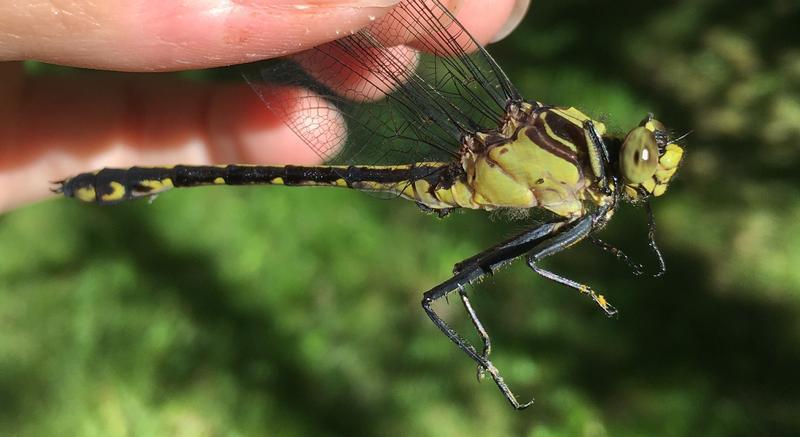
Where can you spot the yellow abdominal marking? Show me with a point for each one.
(86, 194)
(437, 199)
(458, 195)
(370, 186)
(117, 192)
(157, 185)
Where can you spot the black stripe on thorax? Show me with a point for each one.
(540, 137)
(567, 130)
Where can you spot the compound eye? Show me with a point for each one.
(639, 156)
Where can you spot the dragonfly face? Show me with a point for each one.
(648, 159)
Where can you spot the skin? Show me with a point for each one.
(52, 127)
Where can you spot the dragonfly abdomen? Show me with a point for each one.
(111, 185)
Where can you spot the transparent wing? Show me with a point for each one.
(406, 89)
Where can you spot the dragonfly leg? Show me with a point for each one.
(599, 299)
(464, 345)
(474, 269)
(635, 267)
(584, 289)
(558, 242)
(476, 322)
(651, 236)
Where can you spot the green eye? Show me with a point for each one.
(639, 156)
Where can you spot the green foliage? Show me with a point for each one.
(291, 311)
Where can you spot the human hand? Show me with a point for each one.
(56, 126)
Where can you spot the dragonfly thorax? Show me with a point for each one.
(538, 159)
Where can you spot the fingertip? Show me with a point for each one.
(520, 9)
(485, 24)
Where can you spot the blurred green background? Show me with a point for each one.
(236, 311)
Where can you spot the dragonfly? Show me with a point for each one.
(413, 107)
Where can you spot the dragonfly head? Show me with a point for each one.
(648, 159)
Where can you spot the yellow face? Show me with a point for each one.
(648, 159)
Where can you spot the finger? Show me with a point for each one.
(411, 22)
(309, 116)
(158, 35)
(70, 124)
(491, 24)
(363, 75)
(358, 72)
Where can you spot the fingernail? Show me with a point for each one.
(378, 3)
(301, 4)
(517, 14)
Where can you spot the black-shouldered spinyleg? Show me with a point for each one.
(452, 133)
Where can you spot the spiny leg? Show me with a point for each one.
(487, 343)
(456, 283)
(637, 268)
(585, 289)
(473, 269)
(651, 236)
(582, 229)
